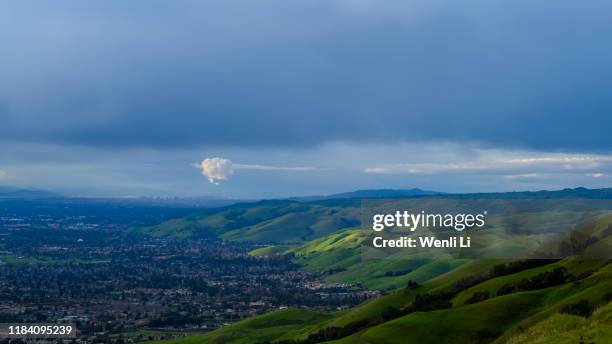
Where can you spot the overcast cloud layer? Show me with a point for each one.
(534, 74)
(273, 84)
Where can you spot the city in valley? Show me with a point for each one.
(81, 264)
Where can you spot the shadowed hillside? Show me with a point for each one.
(453, 301)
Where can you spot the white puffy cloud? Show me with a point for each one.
(3, 174)
(220, 169)
(216, 169)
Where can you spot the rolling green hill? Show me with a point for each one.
(267, 221)
(569, 329)
(296, 222)
(259, 329)
(339, 257)
(501, 318)
(465, 301)
(448, 300)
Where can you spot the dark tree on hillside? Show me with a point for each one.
(581, 308)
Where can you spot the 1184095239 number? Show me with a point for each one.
(31, 330)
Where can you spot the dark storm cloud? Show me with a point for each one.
(243, 73)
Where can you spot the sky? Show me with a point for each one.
(301, 97)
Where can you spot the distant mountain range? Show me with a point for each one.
(372, 193)
(11, 192)
(579, 192)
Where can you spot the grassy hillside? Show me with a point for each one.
(259, 329)
(575, 267)
(338, 256)
(427, 299)
(341, 256)
(499, 318)
(487, 320)
(265, 222)
(294, 222)
(468, 324)
(569, 329)
(372, 309)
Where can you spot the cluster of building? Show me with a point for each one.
(123, 287)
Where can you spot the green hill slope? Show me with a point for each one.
(569, 329)
(266, 222)
(259, 329)
(499, 318)
(480, 322)
(452, 301)
(339, 257)
(290, 221)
